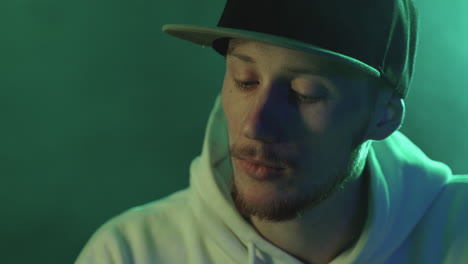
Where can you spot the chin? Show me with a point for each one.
(277, 201)
(267, 202)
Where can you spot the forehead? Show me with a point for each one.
(262, 50)
(254, 53)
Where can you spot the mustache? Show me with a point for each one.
(284, 157)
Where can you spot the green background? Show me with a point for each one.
(100, 111)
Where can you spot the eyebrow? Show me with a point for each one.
(250, 60)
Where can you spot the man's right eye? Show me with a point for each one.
(244, 85)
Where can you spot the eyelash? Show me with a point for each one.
(300, 97)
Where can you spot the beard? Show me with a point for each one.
(285, 208)
(282, 209)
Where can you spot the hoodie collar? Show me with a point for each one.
(404, 183)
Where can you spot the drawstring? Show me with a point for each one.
(251, 252)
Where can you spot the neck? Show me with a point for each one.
(322, 232)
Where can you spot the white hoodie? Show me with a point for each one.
(417, 214)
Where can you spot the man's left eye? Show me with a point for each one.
(306, 99)
(299, 97)
(309, 99)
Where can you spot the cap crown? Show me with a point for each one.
(380, 33)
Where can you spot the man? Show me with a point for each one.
(302, 161)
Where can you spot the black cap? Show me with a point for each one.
(378, 37)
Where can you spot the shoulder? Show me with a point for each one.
(138, 233)
(454, 195)
(449, 214)
(401, 149)
(398, 155)
(170, 207)
(444, 223)
(164, 216)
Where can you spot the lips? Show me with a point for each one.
(260, 172)
(263, 163)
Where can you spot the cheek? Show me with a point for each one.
(317, 119)
(322, 118)
(347, 125)
(333, 127)
(230, 107)
(347, 117)
(227, 101)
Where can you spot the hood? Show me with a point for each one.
(403, 184)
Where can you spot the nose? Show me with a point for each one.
(266, 116)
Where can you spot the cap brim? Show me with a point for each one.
(206, 35)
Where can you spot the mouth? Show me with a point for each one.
(262, 163)
(259, 171)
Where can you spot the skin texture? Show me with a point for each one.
(318, 207)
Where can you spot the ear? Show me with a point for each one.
(388, 116)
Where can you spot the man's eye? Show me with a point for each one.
(243, 85)
(308, 99)
(299, 97)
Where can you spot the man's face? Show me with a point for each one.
(312, 124)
